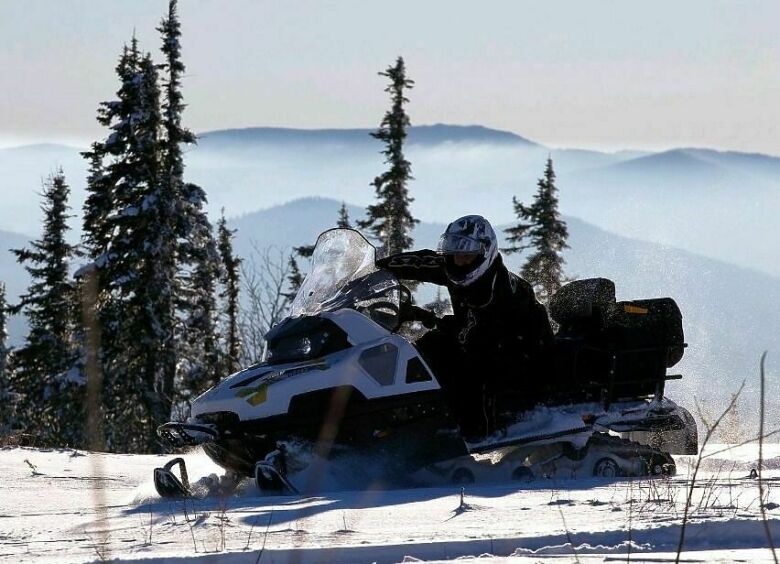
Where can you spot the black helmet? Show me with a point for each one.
(468, 235)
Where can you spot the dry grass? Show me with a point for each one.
(711, 428)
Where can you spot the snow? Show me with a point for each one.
(71, 506)
(130, 211)
(75, 376)
(85, 269)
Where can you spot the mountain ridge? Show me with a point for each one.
(429, 132)
(418, 134)
(681, 197)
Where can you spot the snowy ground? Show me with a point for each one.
(67, 506)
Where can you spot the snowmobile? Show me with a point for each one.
(339, 378)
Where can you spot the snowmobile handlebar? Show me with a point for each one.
(411, 312)
(424, 316)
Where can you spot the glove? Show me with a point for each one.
(415, 259)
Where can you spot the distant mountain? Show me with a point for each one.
(40, 149)
(420, 134)
(301, 221)
(680, 162)
(712, 203)
(749, 163)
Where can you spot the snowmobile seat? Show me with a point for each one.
(580, 307)
(580, 310)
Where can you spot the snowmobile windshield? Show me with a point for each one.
(344, 275)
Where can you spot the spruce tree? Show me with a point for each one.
(198, 258)
(5, 386)
(129, 234)
(390, 220)
(541, 230)
(149, 240)
(343, 221)
(145, 243)
(51, 400)
(294, 277)
(230, 295)
(107, 186)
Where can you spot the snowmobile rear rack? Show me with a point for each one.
(612, 372)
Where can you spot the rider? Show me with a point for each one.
(499, 331)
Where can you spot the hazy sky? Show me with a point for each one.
(610, 74)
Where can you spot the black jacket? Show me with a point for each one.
(496, 315)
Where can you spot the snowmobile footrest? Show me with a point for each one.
(168, 484)
(269, 479)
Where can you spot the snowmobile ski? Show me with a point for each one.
(268, 479)
(168, 485)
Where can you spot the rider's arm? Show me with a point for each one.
(422, 266)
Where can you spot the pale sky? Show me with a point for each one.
(595, 74)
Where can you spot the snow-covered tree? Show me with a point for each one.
(149, 239)
(197, 269)
(542, 231)
(50, 405)
(231, 283)
(130, 237)
(390, 220)
(5, 386)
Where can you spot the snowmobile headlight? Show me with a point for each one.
(305, 339)
(290, 349)
(301, 348)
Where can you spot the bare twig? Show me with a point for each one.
(190, 524)
(761, 503)
(265, 536)
(568, 535)
(630, 517)
(249, 537)
(264, 277)
(743, 443)
(222, 520)
(711, 428)
(148, 536)
(33, 468)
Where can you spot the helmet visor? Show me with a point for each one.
(452, 244)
